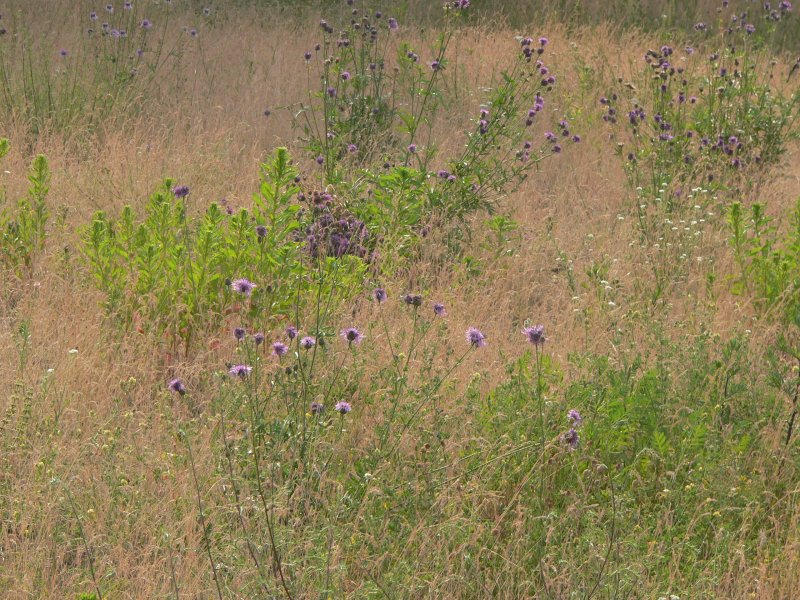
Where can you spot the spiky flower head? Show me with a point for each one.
(181, 191)
(308, 342)
(439, 310)
(291, 332)
(238, 333)
(261, 231)
(352, 335)
(575, 418)
(317, 408)
(475, 337)
(258, 338)
(243, 286)
(572, 439)
(535, 334)
(380, 295)
(240, 371)
(279, 349)
(413, 299)
(176, 385)
(343, 407)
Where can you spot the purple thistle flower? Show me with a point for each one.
(291, 332)
(572, 439)
(543, 41)
(535, 334)
(258, 338)
(63, 52)
(238, 333)
(345, 75)
(352, 335)
(412, 148)
(380, 295)
(193, 32)
(438, 310)
(320, 159)
(308, 342)
(93, 16)
(146, 24)
(307, 56)
(342, 407)
(181, 191)
(413, 300)
(176, 385)
(317, 408)
(127, 6)
(749, 28)
(109, 8)
(279, 349)
(575, 418)
(393, 24)
(352, 148)
(261, 231)
(475, 337)
(243, 286)
(435, 65)
(442, 174)
(240, 371)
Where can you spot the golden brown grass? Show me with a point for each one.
(105, 430)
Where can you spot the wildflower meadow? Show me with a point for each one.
(414, 299)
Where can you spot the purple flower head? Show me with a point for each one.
(576, 138)
(308, 342)
(342, 407)
(435, 65)
(240, 371)
(543, 41)
(307, 56)
(412, 148)
(475, 337)
(443, 174)
(550, 136)
(238, 333)
(207, 11)
(535, 334)
(345, 75)
(243, 286)
(572, 439)
(352, 335)
(193, 32)
(109, 8)
(93, 16)
(181, 191)
(439, 310)
(320, 159)
(575, 418)
(176, 385)
(317, 408)
(261, 231)
(393, 24)
(749, 28)
(279, 349)
(413, 300)
(352, 148)
(291, 332)
(258, 338)
(146, 24)
(63, 52)
(127, 6)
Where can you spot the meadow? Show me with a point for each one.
(464, 299)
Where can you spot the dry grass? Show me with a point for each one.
(105, 430)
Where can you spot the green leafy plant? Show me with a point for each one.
(22, 233)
